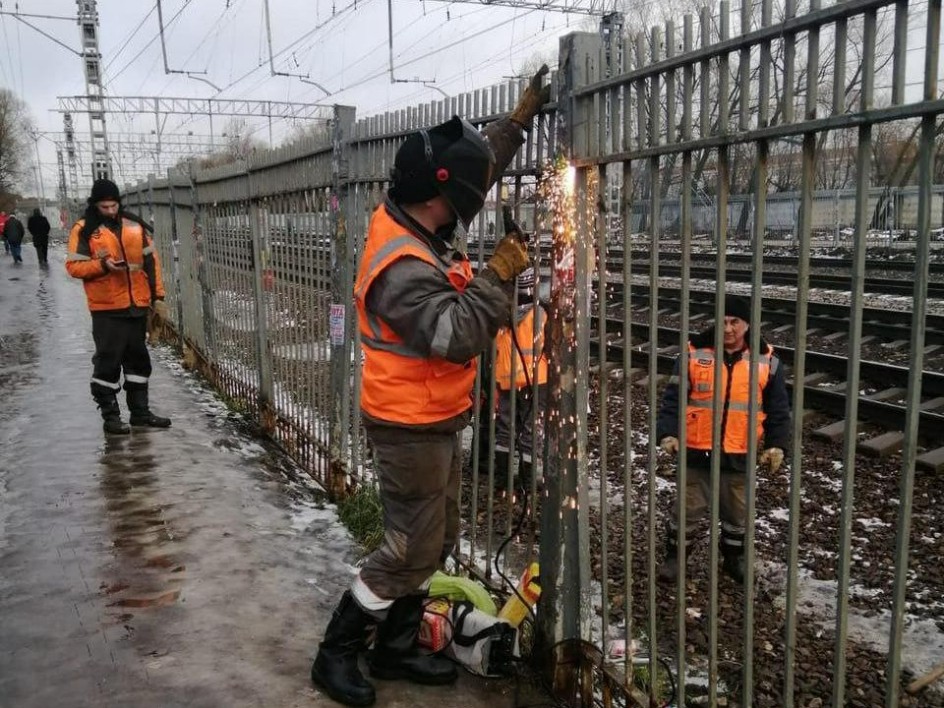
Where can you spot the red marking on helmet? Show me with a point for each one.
(442, 174)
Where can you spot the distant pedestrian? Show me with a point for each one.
(13, 234)
(111, 252)
(3, 222)
(38, 226)
(691, 393)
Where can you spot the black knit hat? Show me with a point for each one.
(104, 190)
(735, 306)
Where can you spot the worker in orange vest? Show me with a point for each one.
(519, 353)
(773, 426)
(423, 320)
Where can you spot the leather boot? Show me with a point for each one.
(733, 563)
(335, 669)
(668, 569)
(395, 654)
(141, 414)
(111, 415)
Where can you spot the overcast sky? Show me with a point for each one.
(341, 44)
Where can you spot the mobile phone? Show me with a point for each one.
(120, 264)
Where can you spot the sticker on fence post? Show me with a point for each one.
(336, 325)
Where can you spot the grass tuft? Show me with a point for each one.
(362, 513)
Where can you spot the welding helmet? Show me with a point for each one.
(452, 160)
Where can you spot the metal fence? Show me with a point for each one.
(259, 257)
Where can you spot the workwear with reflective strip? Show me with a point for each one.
(400, 385)
(735, 386)
(524, 359)
(137, 286)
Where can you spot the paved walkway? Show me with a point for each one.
(188, 567)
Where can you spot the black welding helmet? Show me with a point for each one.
(452, 160)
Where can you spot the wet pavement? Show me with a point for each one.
(187, 567)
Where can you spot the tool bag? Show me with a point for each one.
(484, 645)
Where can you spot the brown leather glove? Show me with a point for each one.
(773, 458)
(670, 444)
(532, 99)
(509, 259)
(160, 310)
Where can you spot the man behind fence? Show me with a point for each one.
(111, 252)
(423, 320)
(773, 424)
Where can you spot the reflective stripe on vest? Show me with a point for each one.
(399, 384)
(700, 410)
(505, 349)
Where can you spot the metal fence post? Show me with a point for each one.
(566, 603)
(341, 311)
(260, 257)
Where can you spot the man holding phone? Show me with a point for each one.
(111, 251)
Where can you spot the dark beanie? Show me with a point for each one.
(104, 190)
(735, 306)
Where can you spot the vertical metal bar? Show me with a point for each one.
(916, 365)
(900, 52)
(260, 249)
(724, 70)
(342, 288)
(655, 218)
(812, 67)
(763, 82)
(628, 452)
(839, 66)
(681, 479)
(857, 303)
(641, 104)
(604, 405)
(477, 423)
(723, 184)
(744, 68)
(750, 482)
(804, 234)
(704, 128)
(565, 572)
(670, 85)
(789, 65)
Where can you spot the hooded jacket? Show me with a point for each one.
(93, 240)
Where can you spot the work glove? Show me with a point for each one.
(160, 310)
(512, 227)
(669, 444)
(532, 99)
(509, 259)
(773, 458)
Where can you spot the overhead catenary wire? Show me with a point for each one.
(148, 45)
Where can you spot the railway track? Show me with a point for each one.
(875, 408)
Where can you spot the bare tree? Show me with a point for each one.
(14, 142)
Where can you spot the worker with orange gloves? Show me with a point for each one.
(111, 252)
(423, 320)
(515, 355)
(773, 426)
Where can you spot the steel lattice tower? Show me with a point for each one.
(94, 89)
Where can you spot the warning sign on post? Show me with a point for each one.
(336, 325)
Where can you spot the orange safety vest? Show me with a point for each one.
(104, 289)
(735, 398)
(524, 360)
(398, 384)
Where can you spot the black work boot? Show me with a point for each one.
(141, 414)
(733, 563)
(335, 669)
(668, 569)
(395, 654)
(111, 415)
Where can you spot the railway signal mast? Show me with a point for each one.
(94, 89)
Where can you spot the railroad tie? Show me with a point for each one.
(932, 460)
(883, 445)
(834, 431)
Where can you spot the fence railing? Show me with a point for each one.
(260, 257)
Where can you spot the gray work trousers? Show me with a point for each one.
(418, 472)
